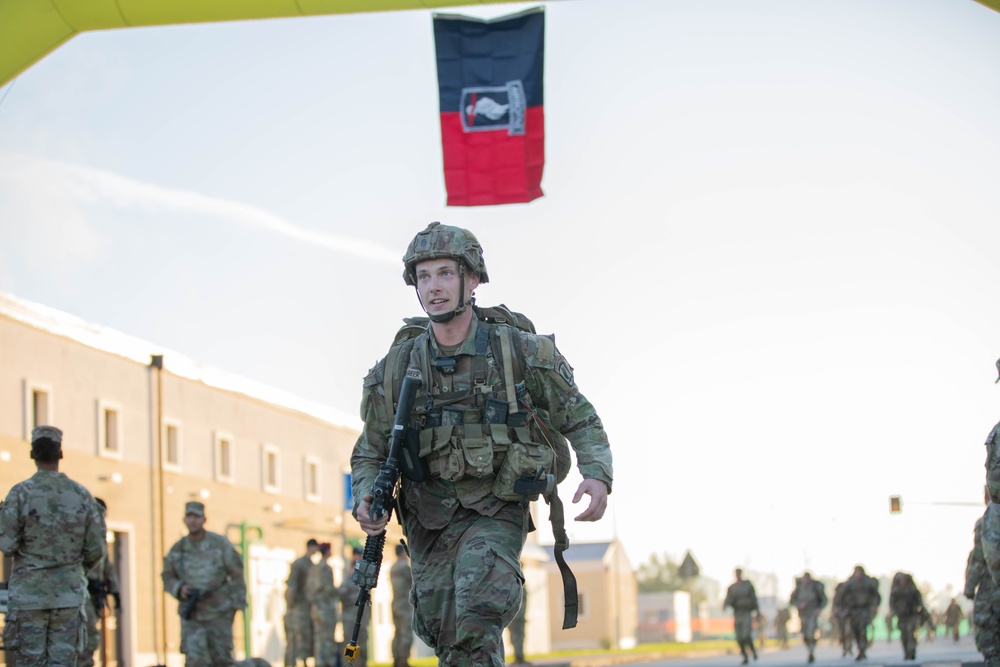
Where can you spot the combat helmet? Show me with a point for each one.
(445, 241)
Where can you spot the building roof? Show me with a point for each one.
(582, 552)
(138, 350)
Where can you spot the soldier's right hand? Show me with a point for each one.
(369, 525)
(184, 592)
(970, 594)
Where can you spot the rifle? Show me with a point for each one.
(383, 489)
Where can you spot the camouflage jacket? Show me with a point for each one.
(993, 461)
(861, 593)
(52, 529)
(741, 596)
(320, 591)
(295, 586)
(808, 598)
(212, 566)
(402, 581)
(548, 381)
(906, 601)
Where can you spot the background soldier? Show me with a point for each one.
(348, 593)
(907, 604)
(953, 616)
(204, 572)
(321, 596)
(495, 400)
(985, 594)
(402, 610)
(809, 598)
(516, 629)
(841, 620)
(102, 581)
(742, 597)
(298, 618)
(861, 599)
(52, 529)
(781, 626)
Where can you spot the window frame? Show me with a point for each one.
(218, 437)
(103, 407)
(266, 450)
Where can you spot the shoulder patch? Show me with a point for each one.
(539, 351)
(375, 374)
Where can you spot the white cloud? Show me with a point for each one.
(87, 185)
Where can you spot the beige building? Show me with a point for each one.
(148, 430)
(608, 596)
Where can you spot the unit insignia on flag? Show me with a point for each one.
(486, 108)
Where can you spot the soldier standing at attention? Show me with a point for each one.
(953, 616)
(402, 611)
(204, 572)
(861, 599)
(52, 529)
(321, 599)
(906, 602)
(742, 597)
(298, 619)
(809, 598)
(493, 403)
(102, 582)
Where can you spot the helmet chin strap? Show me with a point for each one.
(441, 318)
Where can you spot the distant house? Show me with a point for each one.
(608, 592)
(665, 617)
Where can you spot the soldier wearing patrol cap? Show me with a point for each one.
(493, 400)
(52, 529)
(205, 573)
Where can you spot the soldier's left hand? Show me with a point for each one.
(598, 492)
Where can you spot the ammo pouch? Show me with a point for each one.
(411, 465)
(523, 473)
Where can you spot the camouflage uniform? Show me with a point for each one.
(321, 600)
(402, 610)
(861, 599)
(51, 527)
(103, 578)
(980, 587)
(842, 620)
(742, 597)
(465, 540)
(516, 628)
(907, 604)
(781, 626)
(809, 598)
(212, 566)
(953, 616)
(348, 593)
(298, 615)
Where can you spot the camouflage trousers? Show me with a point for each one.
(861, 618)
(986, 613)
(467, 583)
(908, 634)
(325, 648)
(402, 639)
(298, 635)
(743, 625)
(208, 643)
(93, 636)
(808, 620)
(44, 637)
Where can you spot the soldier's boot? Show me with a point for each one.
(812, 657)
(752, 648)
(743, 652)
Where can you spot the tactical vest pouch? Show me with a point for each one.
(478, 456)
(524, 459)
(411, 465)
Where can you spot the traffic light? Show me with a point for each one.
(895, 504)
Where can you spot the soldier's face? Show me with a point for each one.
(195, 523)
(440, 286)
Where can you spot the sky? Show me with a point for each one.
(768, 244)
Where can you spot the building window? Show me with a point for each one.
(172, 445)
(312, 486)
(109, 430)
(271, 468)
(37, 406)
(224, 458)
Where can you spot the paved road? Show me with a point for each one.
(941, 652)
